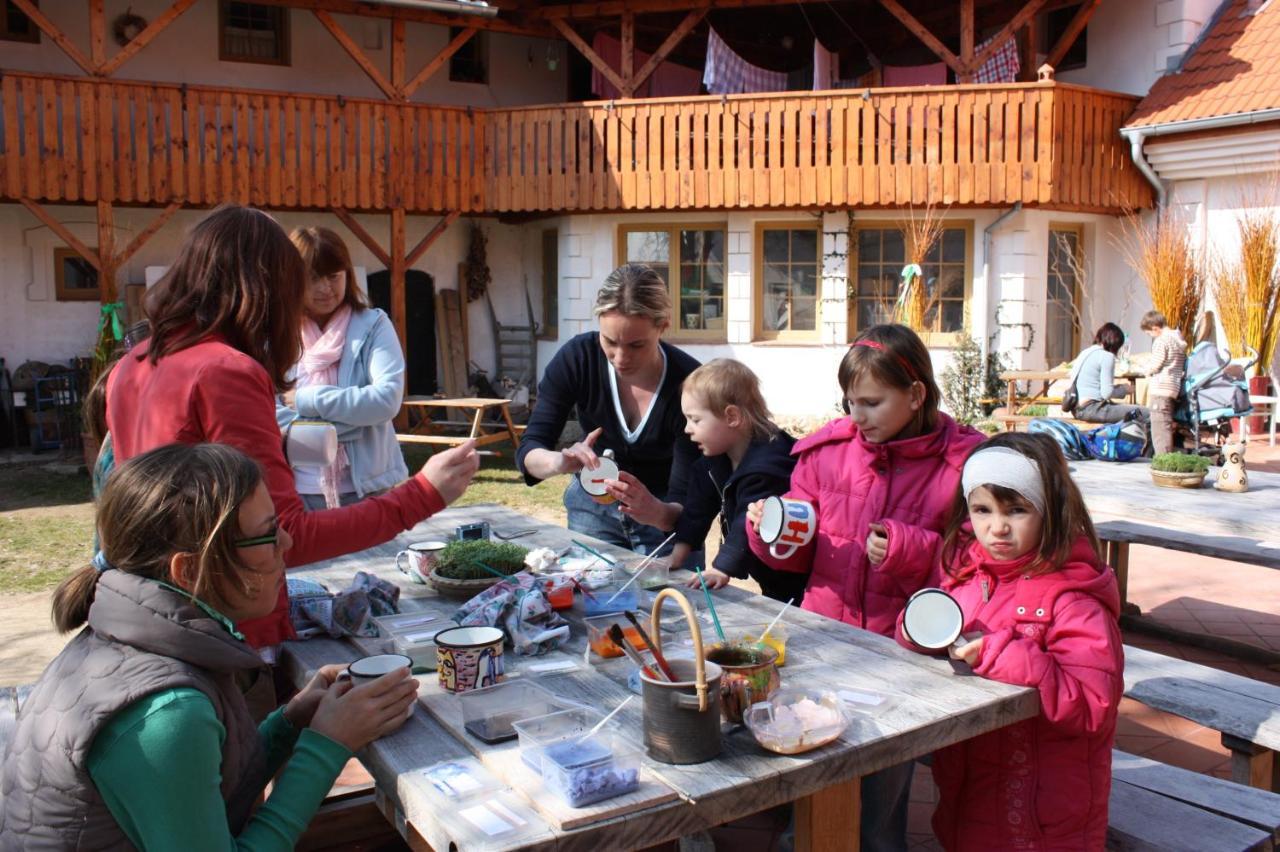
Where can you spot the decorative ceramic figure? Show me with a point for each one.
(1233, 476)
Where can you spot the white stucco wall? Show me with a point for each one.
(187, 52)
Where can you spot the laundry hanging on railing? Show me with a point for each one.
(727, 73)
(826, 67)
(668, 80)
(916, 75)
(1002, 66)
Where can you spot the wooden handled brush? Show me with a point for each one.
(657, 655)
(619, 638)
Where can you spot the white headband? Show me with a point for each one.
(1008, 468)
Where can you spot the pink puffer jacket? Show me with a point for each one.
(906, 485)
(1041, 784)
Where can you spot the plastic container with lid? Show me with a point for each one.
(591, 769)
(499, 819)
(407, 622)
(488, 713)
(559, 591)
(461, 779)
(608, 599)
(538, 732)
(419, 646)
(655, 573)
(598, 633)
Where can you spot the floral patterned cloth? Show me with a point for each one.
(518, 606)
(315, 611)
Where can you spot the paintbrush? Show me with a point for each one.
(657, 655)
(620, 639)
(577, 584)
(710, 604)
(598, 725)
(640, 568)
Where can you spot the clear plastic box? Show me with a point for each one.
(408, 622)
(538, 732)
(418, 646)
(583, 771)
(598, 633)
(655, 574)
(464, 778)
(488, 713)
(602, 601)
(497, 819)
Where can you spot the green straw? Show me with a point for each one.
(711, 606)
(494, 571)
(589, 549)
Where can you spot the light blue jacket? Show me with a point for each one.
(368, 395)
(1095, 375)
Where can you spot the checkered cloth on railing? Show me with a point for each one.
(727, 73)
(1002, 66)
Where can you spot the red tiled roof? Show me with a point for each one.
(1233, 70)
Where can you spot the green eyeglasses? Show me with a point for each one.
(270, 538)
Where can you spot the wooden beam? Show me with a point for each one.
(1072, 32)
(363, 236)
(1025, 14)
(921, 32)
(56, 35)
(628, 68)
(97, 33)
(145, 234)
(594, 58)
(397, 269)
(153, 29)
(418, 16)
(63, 234)
(397, 55)
(438, 61)
(336, 30)
(106, 252)
(966, 31)
(669, 44)
(434, 234)
(614, 8)
(1027, 47)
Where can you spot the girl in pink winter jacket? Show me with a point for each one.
(1021, 558)
(881, 480)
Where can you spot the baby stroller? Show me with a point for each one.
(1213, 391)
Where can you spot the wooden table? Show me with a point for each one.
(1015, 402)
(933, 707)
(473, 411)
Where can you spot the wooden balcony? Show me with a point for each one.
(1045, 144)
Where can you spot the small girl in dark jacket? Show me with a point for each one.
(745, 457)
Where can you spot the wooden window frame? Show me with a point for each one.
(62, 292)
(32, 37)
(932, 339)
(286, 38)
(674, 333)
(757, 285)
(1076, 298)
(549, 328)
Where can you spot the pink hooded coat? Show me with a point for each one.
(1043, 783)
(906, 485)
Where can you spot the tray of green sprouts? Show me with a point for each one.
(466, 568)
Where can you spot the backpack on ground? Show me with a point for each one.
(1118, 442)
(1069, 438)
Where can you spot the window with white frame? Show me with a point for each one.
(882, 252)
(691, 259)
(788, 271)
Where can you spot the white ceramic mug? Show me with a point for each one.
(933, 619)
(787, 525)
(371, 668)
(419, 559)
(313, 443)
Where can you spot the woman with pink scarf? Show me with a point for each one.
(351, 374)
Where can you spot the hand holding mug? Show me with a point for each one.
(754, 512)
(302, 707)
(970, 651)
(637, 501)
(356, 715)
(786, 525)
(877, 544)
(581, 454)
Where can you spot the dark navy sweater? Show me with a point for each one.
(579, 375)
(716, 488)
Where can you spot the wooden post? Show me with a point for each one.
(828, 820)
(97, 33)
(397, 55)
(397, 271)
(1029, 44)
(628, 49)
(966, 40)
(106, 252)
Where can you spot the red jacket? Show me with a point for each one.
(907, 485)
(1043, 783)
(211, 392)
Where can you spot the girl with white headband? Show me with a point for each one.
(1021, 557)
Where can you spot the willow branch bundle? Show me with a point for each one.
(1259, 251)
(922, 230)
(1226, 277)
(1162, 254)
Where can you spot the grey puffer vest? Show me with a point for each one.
(141, 638)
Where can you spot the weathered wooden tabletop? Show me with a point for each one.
(930, 706)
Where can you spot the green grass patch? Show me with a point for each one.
(498, 481)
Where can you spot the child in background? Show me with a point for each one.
(881, 481)
(1029, 578)
(745, 458)
(1167, 368)
(139, 731)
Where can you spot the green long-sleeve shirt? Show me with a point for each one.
(158, 763)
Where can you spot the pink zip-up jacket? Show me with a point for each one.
(905, 485)
(1040, 784)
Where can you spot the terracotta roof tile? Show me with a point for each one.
(1232, 70)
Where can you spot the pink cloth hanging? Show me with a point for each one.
(826, 67)
(668, 80)
(916, 75)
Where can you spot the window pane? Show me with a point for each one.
(952, 283)
(953, 245)
(804, 316)
(805, 281)
(895, 250)
(868, 245)
(775, 247)
(952, 316)
(804, 246)
(651, 247)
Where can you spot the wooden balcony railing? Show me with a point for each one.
(1049, 145)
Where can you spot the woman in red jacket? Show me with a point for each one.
(1021, 558)
(224, 332)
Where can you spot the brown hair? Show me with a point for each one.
(1153, 319)
(93, 408)
(635, 290)
(236, 275)
(723, 382)
(324, 253)
(1066, 517)
(896, 357)
(179, 498)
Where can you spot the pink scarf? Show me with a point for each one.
(321, 352)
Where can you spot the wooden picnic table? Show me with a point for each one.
(929, 706)
(472, 411)
(1015, 402)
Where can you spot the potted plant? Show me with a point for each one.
(463, 566)
(1179, 470)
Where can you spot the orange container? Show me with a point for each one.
(598, 635)
(559, 593)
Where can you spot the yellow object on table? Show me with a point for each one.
(775, 639)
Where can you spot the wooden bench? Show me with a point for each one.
(1246, 712)
(1157, 806)
(1012, 421)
